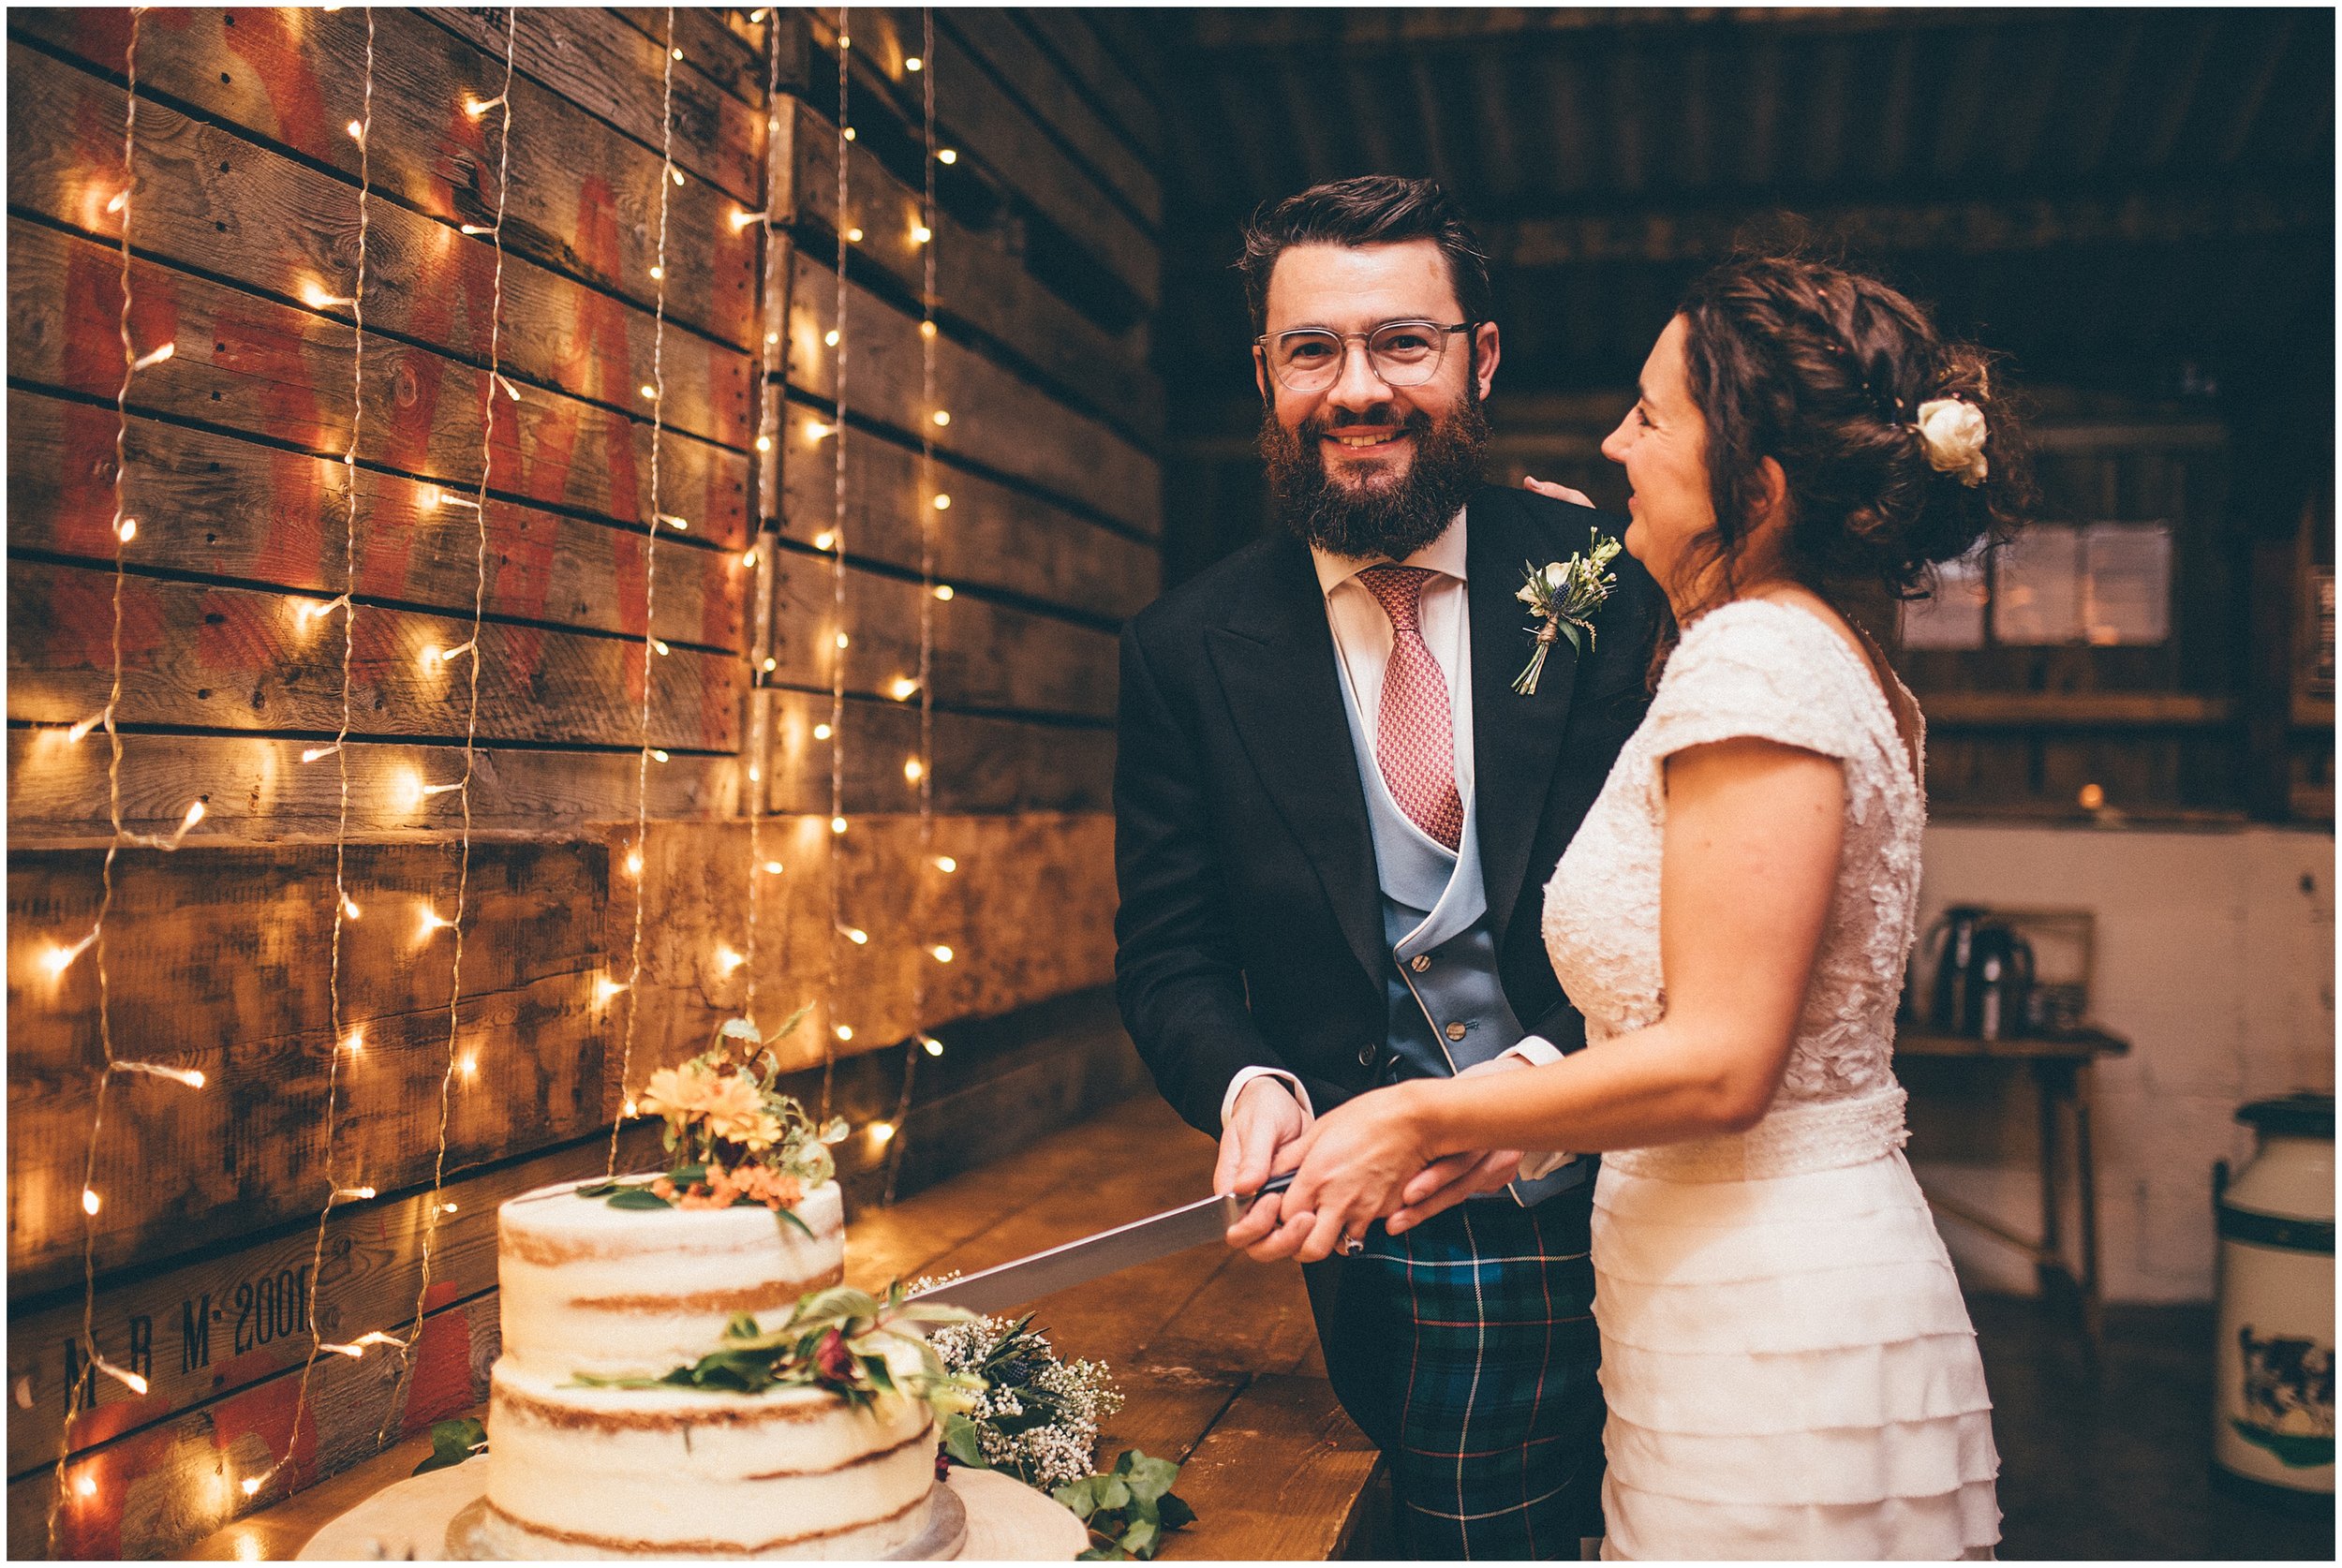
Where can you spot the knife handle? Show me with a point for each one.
(1276, 1184)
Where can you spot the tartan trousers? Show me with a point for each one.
(1466, 1350)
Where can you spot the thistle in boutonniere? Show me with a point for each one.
(1564, 595)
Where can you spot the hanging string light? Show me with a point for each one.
(837, 339)
(458, 1061)
(80, 1392)
(345, 908)
(668, 178)
(919, 768)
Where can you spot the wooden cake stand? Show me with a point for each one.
(980, 1515)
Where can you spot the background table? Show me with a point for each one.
(1216, 1355)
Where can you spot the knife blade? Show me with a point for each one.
(1075, 1263)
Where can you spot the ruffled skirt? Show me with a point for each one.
(1789, 1366)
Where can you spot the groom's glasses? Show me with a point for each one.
(1402, 353)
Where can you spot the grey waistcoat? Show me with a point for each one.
(1447, 1006)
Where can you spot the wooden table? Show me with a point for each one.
(1216, 1355)
(2063, 1074)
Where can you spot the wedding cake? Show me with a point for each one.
(684, 1374)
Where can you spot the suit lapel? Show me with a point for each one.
(1515, 740)
(1274, 655)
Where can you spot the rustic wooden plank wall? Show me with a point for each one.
(246, 210)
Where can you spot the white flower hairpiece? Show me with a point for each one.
(1955, 433)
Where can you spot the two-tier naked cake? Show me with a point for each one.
(599, 1472)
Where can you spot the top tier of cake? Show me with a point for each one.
(638, 1291)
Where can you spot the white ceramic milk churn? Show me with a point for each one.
(2272, 1370)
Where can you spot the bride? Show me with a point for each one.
(1789, 1366)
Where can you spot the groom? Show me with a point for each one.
(1334, 823)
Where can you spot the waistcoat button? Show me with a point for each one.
(1455, 1032)
(1420, 962)
(1365, 1055)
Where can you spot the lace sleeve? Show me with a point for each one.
(1753, 669)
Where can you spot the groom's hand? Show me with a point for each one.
(1258, 1143)
(1559, 492)
(1444, 1183)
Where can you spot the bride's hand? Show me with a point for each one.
(1355, 1160)
(1558, 492)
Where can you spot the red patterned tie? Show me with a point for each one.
(1415, 736)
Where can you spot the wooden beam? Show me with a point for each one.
(2097, 710)
(979, 762)
(1052, 96)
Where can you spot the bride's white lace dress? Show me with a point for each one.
(1789, 1366)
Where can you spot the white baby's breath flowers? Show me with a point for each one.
(1038, 1417)
(1955, 433)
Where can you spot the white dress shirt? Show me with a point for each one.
(1363, 637)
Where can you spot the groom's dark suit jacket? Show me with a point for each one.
(1251, 927)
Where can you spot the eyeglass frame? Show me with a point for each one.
(1269, 362)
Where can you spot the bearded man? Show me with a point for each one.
(1334, 815)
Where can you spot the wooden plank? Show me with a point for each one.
(1015, 876)
(223, 205)
(733, 59)
(256, 368)
(596, 60)
(257, 791)
(999, 421)
(1279, 1476)
(980, 279)
(260, 514)
(202, 657)
(217, 961)
(983, 655)
(587, 205)
(994, 537)
(997, 40)
(277, 1533)
(211, 1327)
(2078, 709)
(980, 763)
(1104, 74)
(997, 137)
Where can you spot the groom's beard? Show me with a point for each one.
(1382, 517)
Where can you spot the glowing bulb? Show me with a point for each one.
(86, 1483)
(927, 329)
(477, 107)
(606, 988)
(120, 200)
(913, 769)
(947, 865)
(849, 133)
(430, 655)
(748, 557)
(946, 154)
(942, 954)
(433, 920)
(186, 1075)
(853, 236)
(771, 664)
(676, 52)
(355, 1042)
(763, 443)
(316, 752)
(630, 1108)
(657, 755)
(657, 272)
(941, 417)
(772, 868)
(771, 338)
(830, 337)
(857, 936)
(680, 524)
(2093, 797)
(350, 909)
(844, 42)
(155, 356)
(843, 639)
(944, 592)
(474, 229)
(741, 220)
(843, 1032)
(942, 503)
(814, 429)
(727, 960)
(881, 1130)
(913, 62)
(921, 234)
(357, 130)
(315, 296)
(675, 174)
(468, 1065)
(820, 732)
(933, 1046)
(825, 540)
(251, 1486)
(74, 735)
(634, 863)
(444, 1208)
(649, 390)
(837, 824)
(89, 1201)
(662, 648)
(902, 688)
(127, 529)
(57, 959)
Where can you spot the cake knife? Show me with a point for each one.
(1028, 1278)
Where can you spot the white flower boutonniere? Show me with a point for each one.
(1564, 597)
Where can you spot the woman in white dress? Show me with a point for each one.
(1789, 1366)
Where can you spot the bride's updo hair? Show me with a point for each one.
(1825, 372)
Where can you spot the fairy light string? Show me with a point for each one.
(837, 1032)
(651, 646)
(344, 907)
(490, 386)
(920, 1040)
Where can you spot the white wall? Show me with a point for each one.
(2214, 958)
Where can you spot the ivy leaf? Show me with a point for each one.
(453, 1442)
(686, 1175)
(637, 1197)
(1175, 1514)
(960, 1441)
(1140, 1540)
(601, 1190)
(1577, 637)
(1148, 1478)
(740, 1028)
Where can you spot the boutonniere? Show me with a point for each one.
(1564, 595)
